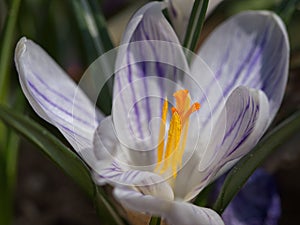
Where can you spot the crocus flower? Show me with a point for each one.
(222, 105)
(180, 11)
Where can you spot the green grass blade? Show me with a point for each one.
(155, 221)
(51, 146)
(93, 26)
(8, 173)
(247, 165)
(101, 202)
(67, 160)
(286, 9)
(195, 24)
(7, 42)
(100, 23)
(96, 42)
(7, 176)
(13, 143)
(6, 52)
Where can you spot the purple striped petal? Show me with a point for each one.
(143, 181)
(150, 66)
(241, 124)
(52, 95)
(250, 49)
(173, 212)
(119, 166)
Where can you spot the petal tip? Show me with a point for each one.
(21, 47)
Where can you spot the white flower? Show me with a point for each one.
(159, 166)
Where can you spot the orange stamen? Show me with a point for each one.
(177, 133)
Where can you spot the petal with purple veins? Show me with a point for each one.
(149, 68)
(241, 124)
(250, 49)
(51, 93)
(174, 212)
(143, 181)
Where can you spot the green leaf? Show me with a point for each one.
(6, 52)
(96, 42)
(102, 202)
(247, 165)
(287, 9)
(155, 221)
(7, 47)
(13, 142)
(8, 141)
(203, 197)
(93, 27)
(11, 155)
(51, 146)
(67, 160)
(8, 173)
(101, 25)
(195, 24)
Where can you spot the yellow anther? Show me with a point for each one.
(173, 140)
(177, 133)
(162, 130)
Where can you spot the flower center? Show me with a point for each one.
(170, 152)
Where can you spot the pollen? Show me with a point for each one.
(170, 152)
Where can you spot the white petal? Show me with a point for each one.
(241, 135)
(190, 176)
(116, 166)
(143, 181)
(108, 149)
(106, 145)
(202, 79)
(250, 49)
(54, 96)
(242, 123)
(172, 211)
(150, 66)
